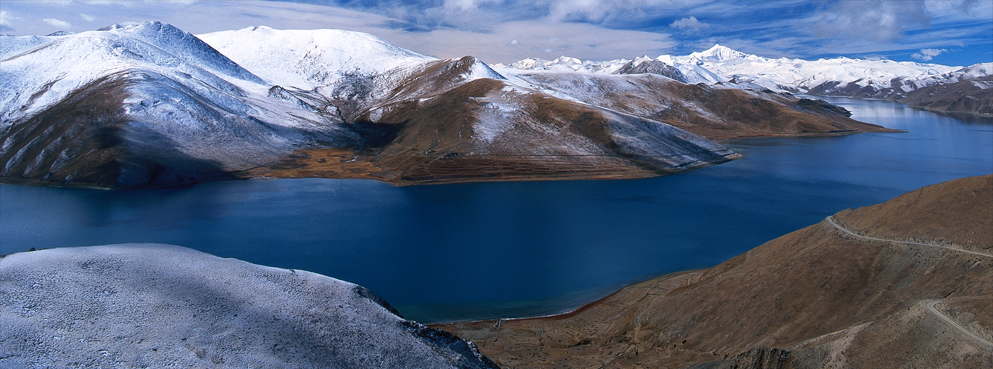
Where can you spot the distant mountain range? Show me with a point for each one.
(907, 82)
(147, 105)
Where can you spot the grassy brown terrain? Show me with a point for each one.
(433, 140)
(713, 112)
(81, 141)
(969, 96)
(817, 297)
(433, 125)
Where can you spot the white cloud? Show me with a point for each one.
(5, 18)
(535, 38)
(592, 10)
(928, 54)
(468, 4)
(60, 24)
(689, 24)
(877, 20)
(586, 29)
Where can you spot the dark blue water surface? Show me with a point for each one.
(481, 250)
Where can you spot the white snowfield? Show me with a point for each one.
(307, 59)
(334, 64)
(157, 306)
(722, 64)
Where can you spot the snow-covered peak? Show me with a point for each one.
(58, 65)
(477, 69)
(181, 44)
(308, 59)
(718, 53)
(976, 70)
(565, 64)
(722, 64)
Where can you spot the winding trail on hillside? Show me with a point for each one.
(929, 305)
(831, 221)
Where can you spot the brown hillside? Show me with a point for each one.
(817, 297)
(969, 96)
(87, 140)
(713, 112)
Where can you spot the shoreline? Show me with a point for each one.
(571, 313)
(347, 163)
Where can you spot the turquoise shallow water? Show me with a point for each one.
(482, 250)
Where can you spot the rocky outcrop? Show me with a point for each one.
(143, 305)
(653, 67)
(907, 283)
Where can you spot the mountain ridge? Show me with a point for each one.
(177, 110)
(856, 78)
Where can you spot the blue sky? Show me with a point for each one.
(951, 32)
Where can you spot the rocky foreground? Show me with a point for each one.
(158, 306)
(906, 283)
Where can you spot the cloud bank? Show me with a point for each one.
(587, 29)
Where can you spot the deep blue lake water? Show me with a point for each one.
(484, 250)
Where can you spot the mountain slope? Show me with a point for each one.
(146, 305)
(150, 105)
(715, 112)
(877, 79)
(458, 120)
(310, 59)
(973, 95)
(144, 104)
(817, 297)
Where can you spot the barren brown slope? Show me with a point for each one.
(969, 96)
(817, 297)
(437, 128)
(87, 140)
(437, 124)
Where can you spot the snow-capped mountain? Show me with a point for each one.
(308, 59)
(146, 102)
(149, 104)
(717, 53)
(836, 77)
(566, 64)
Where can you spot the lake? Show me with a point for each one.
(486, 250)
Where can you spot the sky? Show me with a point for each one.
(949, 32)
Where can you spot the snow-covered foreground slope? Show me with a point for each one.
(147, 305)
